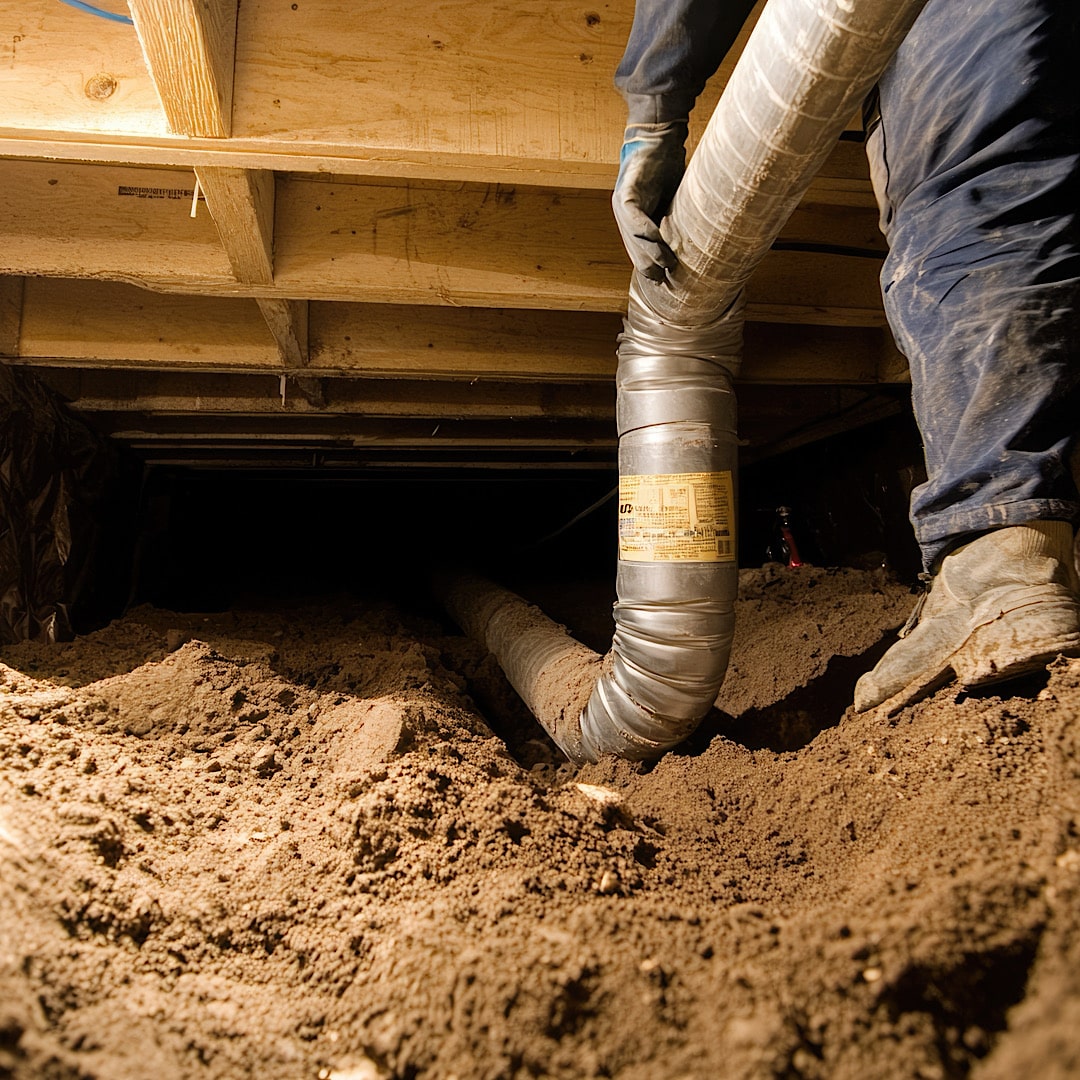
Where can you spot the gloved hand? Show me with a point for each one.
(651, 165)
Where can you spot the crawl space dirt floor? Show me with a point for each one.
(325, 841)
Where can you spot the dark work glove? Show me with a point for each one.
(651, 165)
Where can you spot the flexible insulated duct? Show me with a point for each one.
(806, 68)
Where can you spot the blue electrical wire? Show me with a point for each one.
(91, 10)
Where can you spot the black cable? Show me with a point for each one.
(574, 520)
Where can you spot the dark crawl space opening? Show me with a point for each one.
(209, 539)
(122, 532)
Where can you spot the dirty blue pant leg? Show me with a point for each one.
(976, 165)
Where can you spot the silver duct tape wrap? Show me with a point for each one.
(674, 618)
(650, 334)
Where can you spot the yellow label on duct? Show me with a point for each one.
(677, 517)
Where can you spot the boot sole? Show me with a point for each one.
(995, 652)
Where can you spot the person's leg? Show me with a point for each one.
(976, 164)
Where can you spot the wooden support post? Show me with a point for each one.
(190, 47)
(288, 322)
(11, 302)
(241, 202)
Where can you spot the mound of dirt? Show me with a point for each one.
(328, 842)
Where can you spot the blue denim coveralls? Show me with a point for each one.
(975, 162)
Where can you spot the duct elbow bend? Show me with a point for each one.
(681, 346)
(677, 575)
(665, 668)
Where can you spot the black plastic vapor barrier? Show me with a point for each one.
(59, 505)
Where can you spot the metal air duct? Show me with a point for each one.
(805, 70)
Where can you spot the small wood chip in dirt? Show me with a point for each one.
(604, 796)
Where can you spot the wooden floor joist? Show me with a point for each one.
(360, 434)
(104, 324)
(358, 416)
(183, 393)
(190, 54)
(521, 91)
(395, 216)
(477, 246)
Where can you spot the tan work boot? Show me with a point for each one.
(1002, 606)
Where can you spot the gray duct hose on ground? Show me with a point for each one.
(806, 68)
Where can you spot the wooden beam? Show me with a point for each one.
(524, 79)
(11, 305)
(358, 431)
(114, 323)
(384, 339)
(241, 202)
(429, 243)
(770, 422)
(836, 183)
(118, 325)
(372, 463)
(189, 46)
(81, 323)
(100, 221)
(246, 411)
(490, 245)
(177, 393)
(288, 322)
(518, 91)
(393, 339)
(780, 354)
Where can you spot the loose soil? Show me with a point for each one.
(326, 841)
